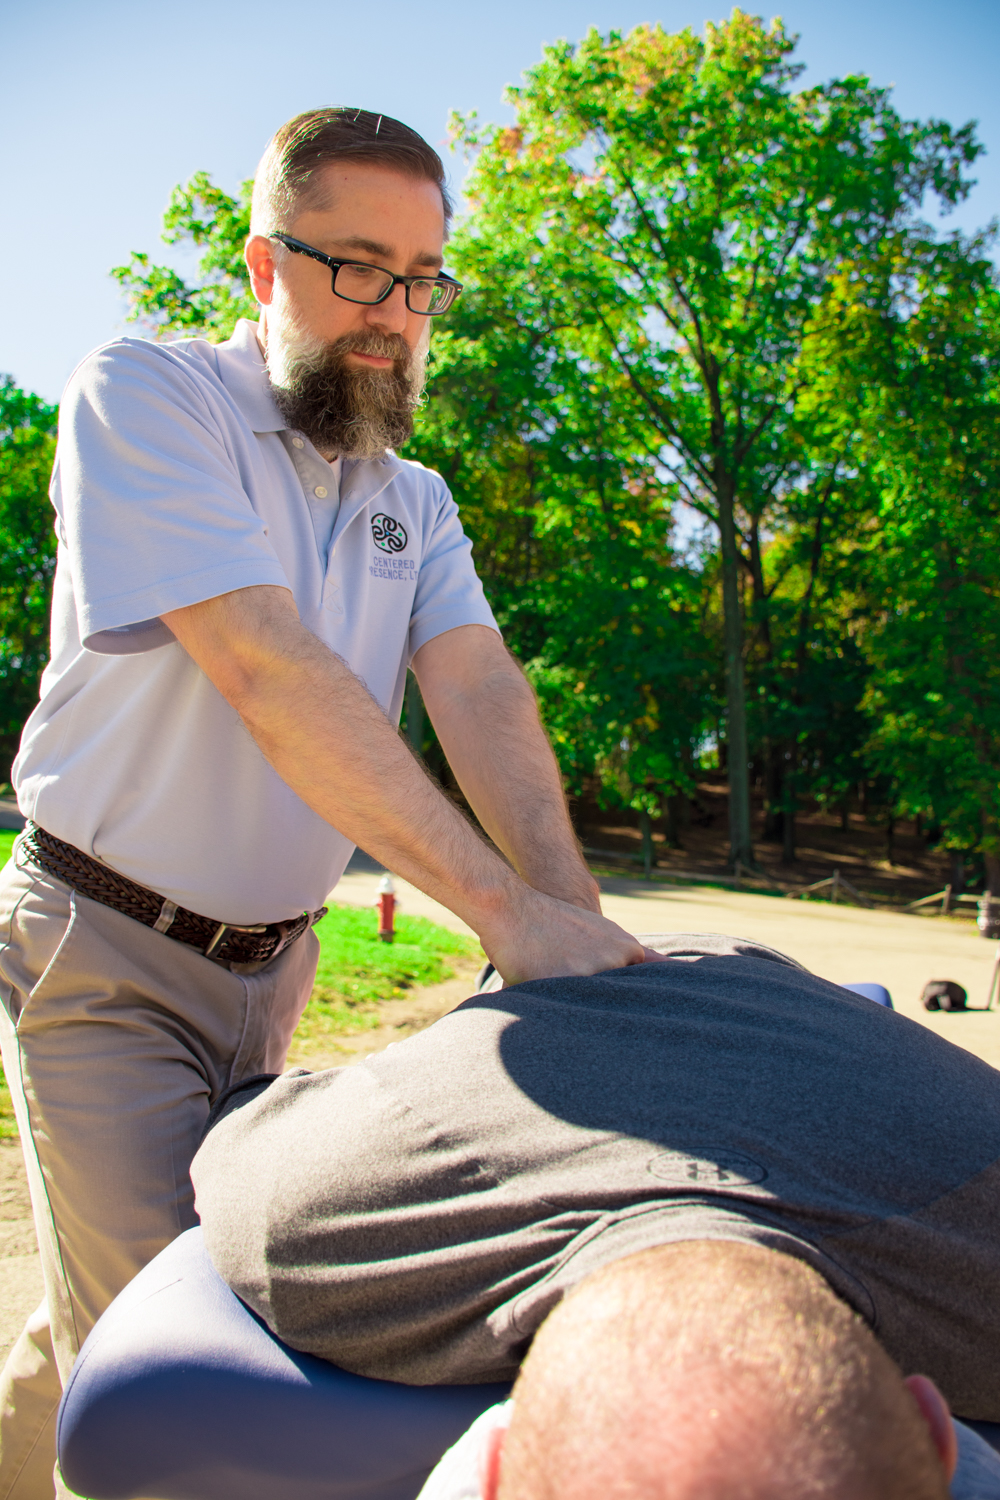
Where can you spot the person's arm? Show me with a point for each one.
(331, 743)
(487, 721)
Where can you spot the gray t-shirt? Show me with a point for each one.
(416, 1216)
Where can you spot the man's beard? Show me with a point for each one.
(356, 413)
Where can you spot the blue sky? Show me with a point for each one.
(106, 105)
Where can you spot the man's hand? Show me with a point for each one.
(331, 743)
(544, 939)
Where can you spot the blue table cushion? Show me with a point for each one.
(876, 992)
(181, 1392)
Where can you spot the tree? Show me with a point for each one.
(27, 554)
(807, 667)
(933, 635)
(684, 216)
(204, 215)
(572, 538)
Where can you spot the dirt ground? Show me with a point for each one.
(897, 870)
(842, 943)
(20, 1274)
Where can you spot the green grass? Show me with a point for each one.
(356, 971)
(8, 1125)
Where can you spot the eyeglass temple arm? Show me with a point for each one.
(298, 247)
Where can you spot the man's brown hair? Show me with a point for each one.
(287, 179)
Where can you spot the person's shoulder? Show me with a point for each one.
(419, 484)
(126, 361)
(412, 471)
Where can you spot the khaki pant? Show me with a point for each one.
(116, 1041)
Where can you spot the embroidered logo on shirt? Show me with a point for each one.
(706, 1166)
(387, 533)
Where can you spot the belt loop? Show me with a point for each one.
(220, 933)
(284, 938)
(168, 912)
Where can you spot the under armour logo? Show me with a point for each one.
(711, 1166)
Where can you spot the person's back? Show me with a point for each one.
(417, 1216)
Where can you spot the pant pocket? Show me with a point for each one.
(36, 915)
(276, 998)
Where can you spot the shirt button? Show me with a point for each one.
(320, 492)
(297, 443)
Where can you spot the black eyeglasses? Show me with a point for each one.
(356, 282)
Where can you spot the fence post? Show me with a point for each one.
(993, 980)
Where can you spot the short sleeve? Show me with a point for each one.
(149, 497)
(449, 593)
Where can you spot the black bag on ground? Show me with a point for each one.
(944, 994)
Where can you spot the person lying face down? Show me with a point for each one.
(715, 1370)
(774, 1200)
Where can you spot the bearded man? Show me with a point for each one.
(245, 573)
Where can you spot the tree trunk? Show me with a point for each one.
(646, 829)
(674, 820)
(738, 758)
(991, 865)
(956, 871)
(774, 816)
(788, 821)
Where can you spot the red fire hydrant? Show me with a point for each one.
(386, 904)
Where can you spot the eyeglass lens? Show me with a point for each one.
(361, 283)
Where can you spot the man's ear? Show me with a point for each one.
(934, 1410)
(259, 256)
(490, 1453)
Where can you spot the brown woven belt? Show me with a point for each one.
(224, 941)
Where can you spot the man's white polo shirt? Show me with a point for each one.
(176, 480)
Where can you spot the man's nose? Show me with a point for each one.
(390, 316)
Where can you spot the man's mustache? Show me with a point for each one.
(380, 345)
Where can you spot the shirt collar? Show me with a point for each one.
(244, 374)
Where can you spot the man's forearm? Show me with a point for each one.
(486, 718)
(309, 713)
(331, 743)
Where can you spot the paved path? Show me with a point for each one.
(842, 943)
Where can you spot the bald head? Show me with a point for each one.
(713, 1370)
